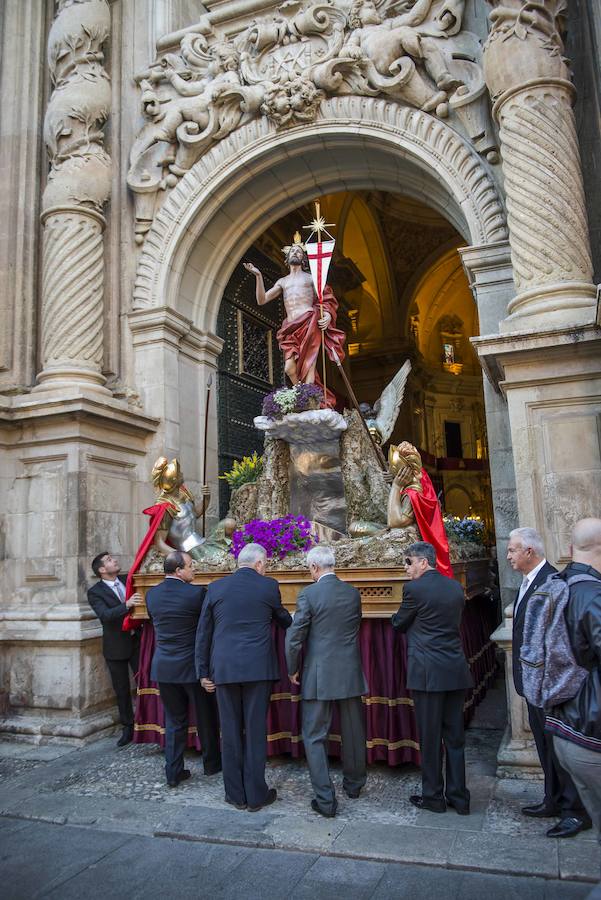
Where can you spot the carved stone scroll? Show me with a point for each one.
(529, 81)
(78, 187)
(283, 67)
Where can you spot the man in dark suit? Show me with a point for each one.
(120, 648)
(327, 622)
(174, 607)
(235, 657)
(526, 555)
(438, 676)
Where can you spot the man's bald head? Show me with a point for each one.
(586, 542)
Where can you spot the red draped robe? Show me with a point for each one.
(156, 514)
(428, 516)
(301, 339)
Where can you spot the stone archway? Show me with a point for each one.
(246, 182)
(257, 174)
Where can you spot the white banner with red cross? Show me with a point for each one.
(319, 254)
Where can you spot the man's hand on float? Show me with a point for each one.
(295, 679)
(250, 268)
(206, 490)
(325, 321)
(134, 600)
(208, 685)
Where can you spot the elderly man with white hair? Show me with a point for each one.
(526, 555)
(235, 656)
(327, 622)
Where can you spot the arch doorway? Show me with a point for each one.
(251, 181)
(402, 294)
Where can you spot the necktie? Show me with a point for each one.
(523, 589)
(120, 590)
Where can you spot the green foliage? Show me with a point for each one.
(244, 471)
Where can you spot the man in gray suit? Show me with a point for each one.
(327, 621)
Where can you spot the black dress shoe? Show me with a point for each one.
(540, 811)
(460, 810)
(328, 814)
(272, 796)
(127, 736)
(569, 827)
(183, 776)
(431, 805)
(353, 795)
(237, 805)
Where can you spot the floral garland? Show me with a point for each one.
(468, 528)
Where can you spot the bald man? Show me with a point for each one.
(576, 724)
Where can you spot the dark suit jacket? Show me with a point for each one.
(518, 625)
(116, 644)
(234, 643)
(431, 615)
(327, 619)
(174, 607)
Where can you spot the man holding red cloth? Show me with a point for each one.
(299, 338)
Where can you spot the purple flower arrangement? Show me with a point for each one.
(279, 536)
(296, 399)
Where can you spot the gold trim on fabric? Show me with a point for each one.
(388, 701)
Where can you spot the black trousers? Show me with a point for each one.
(243, 714)
(439, 717)
(119, 672)
(561, 794)
(177, 699)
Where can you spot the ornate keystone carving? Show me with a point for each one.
(528, 78)
(283, 67)
(78, 186)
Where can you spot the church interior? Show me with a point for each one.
(402, 295)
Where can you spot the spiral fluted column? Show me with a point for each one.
(77, 190)
(530, 85)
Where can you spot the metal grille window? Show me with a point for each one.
(255, 348)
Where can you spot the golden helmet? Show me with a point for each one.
(404, 454)
(166, 476)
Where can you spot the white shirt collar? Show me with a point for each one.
(325, 575)
(534, 572)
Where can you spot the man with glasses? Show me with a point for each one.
(119, 648)
(438, 676)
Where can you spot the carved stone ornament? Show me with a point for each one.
(283, 66)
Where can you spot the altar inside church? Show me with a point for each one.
(391, 730)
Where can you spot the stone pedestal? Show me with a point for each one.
(316, 486)
(72, 484)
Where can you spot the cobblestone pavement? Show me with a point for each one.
(104, 791)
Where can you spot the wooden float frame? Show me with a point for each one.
(381, 589)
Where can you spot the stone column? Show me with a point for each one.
(78, 187)
(529, 82)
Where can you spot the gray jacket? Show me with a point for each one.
(327, 621)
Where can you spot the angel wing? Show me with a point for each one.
(388, 406)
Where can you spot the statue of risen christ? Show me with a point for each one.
(299, 338)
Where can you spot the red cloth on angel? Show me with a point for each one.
(156, 514)
(301, 339)
(428, 516)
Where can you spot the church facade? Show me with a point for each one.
(455, 142)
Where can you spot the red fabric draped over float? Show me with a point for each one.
(391, 731)
(428, 516)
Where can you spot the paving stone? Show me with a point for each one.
(272, 874)
(330, 877)
(35, 859)
(399, 842)
(579, 859)
(500, 853)
(151, 868)
(415, 883)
